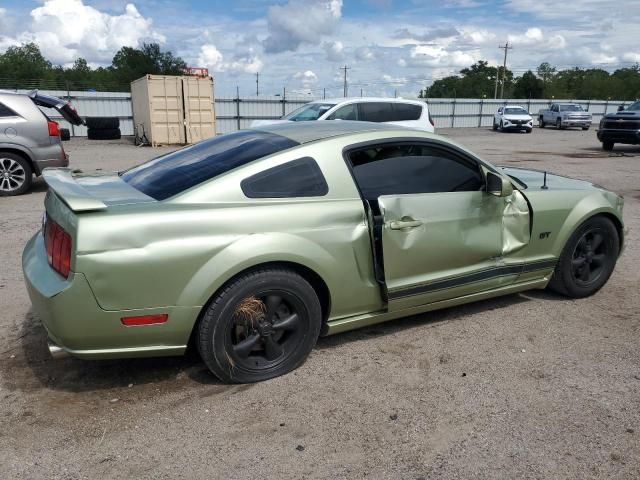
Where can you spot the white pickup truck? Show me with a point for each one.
(564, 115)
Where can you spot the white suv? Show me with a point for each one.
(397, 111)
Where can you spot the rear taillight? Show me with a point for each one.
(431, 120)
(58, 245)
(54, 128)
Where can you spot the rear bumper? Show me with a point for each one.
(76, 324)
(619, 136)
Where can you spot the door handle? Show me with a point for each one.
(404, 223)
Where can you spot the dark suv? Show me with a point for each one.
(620, 127)
(29, 140)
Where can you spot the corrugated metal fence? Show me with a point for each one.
(234, 113)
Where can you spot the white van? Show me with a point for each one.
(397, 111)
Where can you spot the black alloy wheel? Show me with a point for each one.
(263, 324)
(588, 258)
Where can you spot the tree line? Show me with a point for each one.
(479, 81)
(24, 66)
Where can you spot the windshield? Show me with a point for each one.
(571, 108)
(634, 106)
(310, 111)
(175, 172)
(515, 111)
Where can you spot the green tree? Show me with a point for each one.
(132, 63)
(528, 86)
(23, 63)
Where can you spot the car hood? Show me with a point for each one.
(517, 117)
(624, 115)
(534, 179)
(261, 123)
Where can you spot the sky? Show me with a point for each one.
(389, 46)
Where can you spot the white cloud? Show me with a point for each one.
(364, 54)
(209, 57)
(334, 51)
(306, 78)
(534, 37)
(631, 57)
(394, 81)
(244, 62)
(67, 29)
(300, 21)
(437, 56)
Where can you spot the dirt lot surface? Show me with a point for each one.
(524, 386)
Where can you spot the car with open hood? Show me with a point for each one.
(250, 245)
(30, 140)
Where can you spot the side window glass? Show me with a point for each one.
(348, 112)
(406, 111)
(375, 112)
(407, 169)
(298, 178)
(6, 111)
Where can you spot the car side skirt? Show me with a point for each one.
(133, 352)
(351, 323)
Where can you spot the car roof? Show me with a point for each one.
(514, 106)
(368, 99)
(305, 132)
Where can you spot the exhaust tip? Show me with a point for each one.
(57, 351)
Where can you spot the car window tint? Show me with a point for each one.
(375, 112)
(405, 169)
(6, 111)
(299, 178)
(348, 112)
(175, 172)
(406, 111)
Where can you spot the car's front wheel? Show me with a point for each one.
(588, 259)
(541, 122)
(559, 124)
(15, 174)
(607, 146)
(262, 325)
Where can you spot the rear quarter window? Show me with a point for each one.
(375, 112)
(406, 111)
(6, 111)
(178, 171)
(298, 178)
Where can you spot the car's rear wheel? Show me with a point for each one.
(588, 259)
(262, 325)
(15, 174)
(607, 146)
(585, 128)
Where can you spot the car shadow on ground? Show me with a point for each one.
(75, 375)
(173, 373)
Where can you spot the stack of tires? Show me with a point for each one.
(103, 128)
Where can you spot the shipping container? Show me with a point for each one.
(170, 110)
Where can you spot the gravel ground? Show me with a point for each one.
(524, 386)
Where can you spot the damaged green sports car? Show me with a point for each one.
(252, 244)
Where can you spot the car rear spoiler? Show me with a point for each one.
(75, 196)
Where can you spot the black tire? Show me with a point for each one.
(241, 349)
(501, 126)
(495, 125)
(559, 124)
(585, 128)
(607, 145)
(588, 259)
(541, 122)
(105, 134)
(529, 130)
(102, 123)
(16, 174)
(65, 134)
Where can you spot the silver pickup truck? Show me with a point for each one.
(564, 115)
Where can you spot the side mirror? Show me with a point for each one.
(621, 108)
(498, 185)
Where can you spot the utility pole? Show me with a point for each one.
(257, 84)
(345, 68)
(506, 48)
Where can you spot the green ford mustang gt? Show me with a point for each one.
(254, 243)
